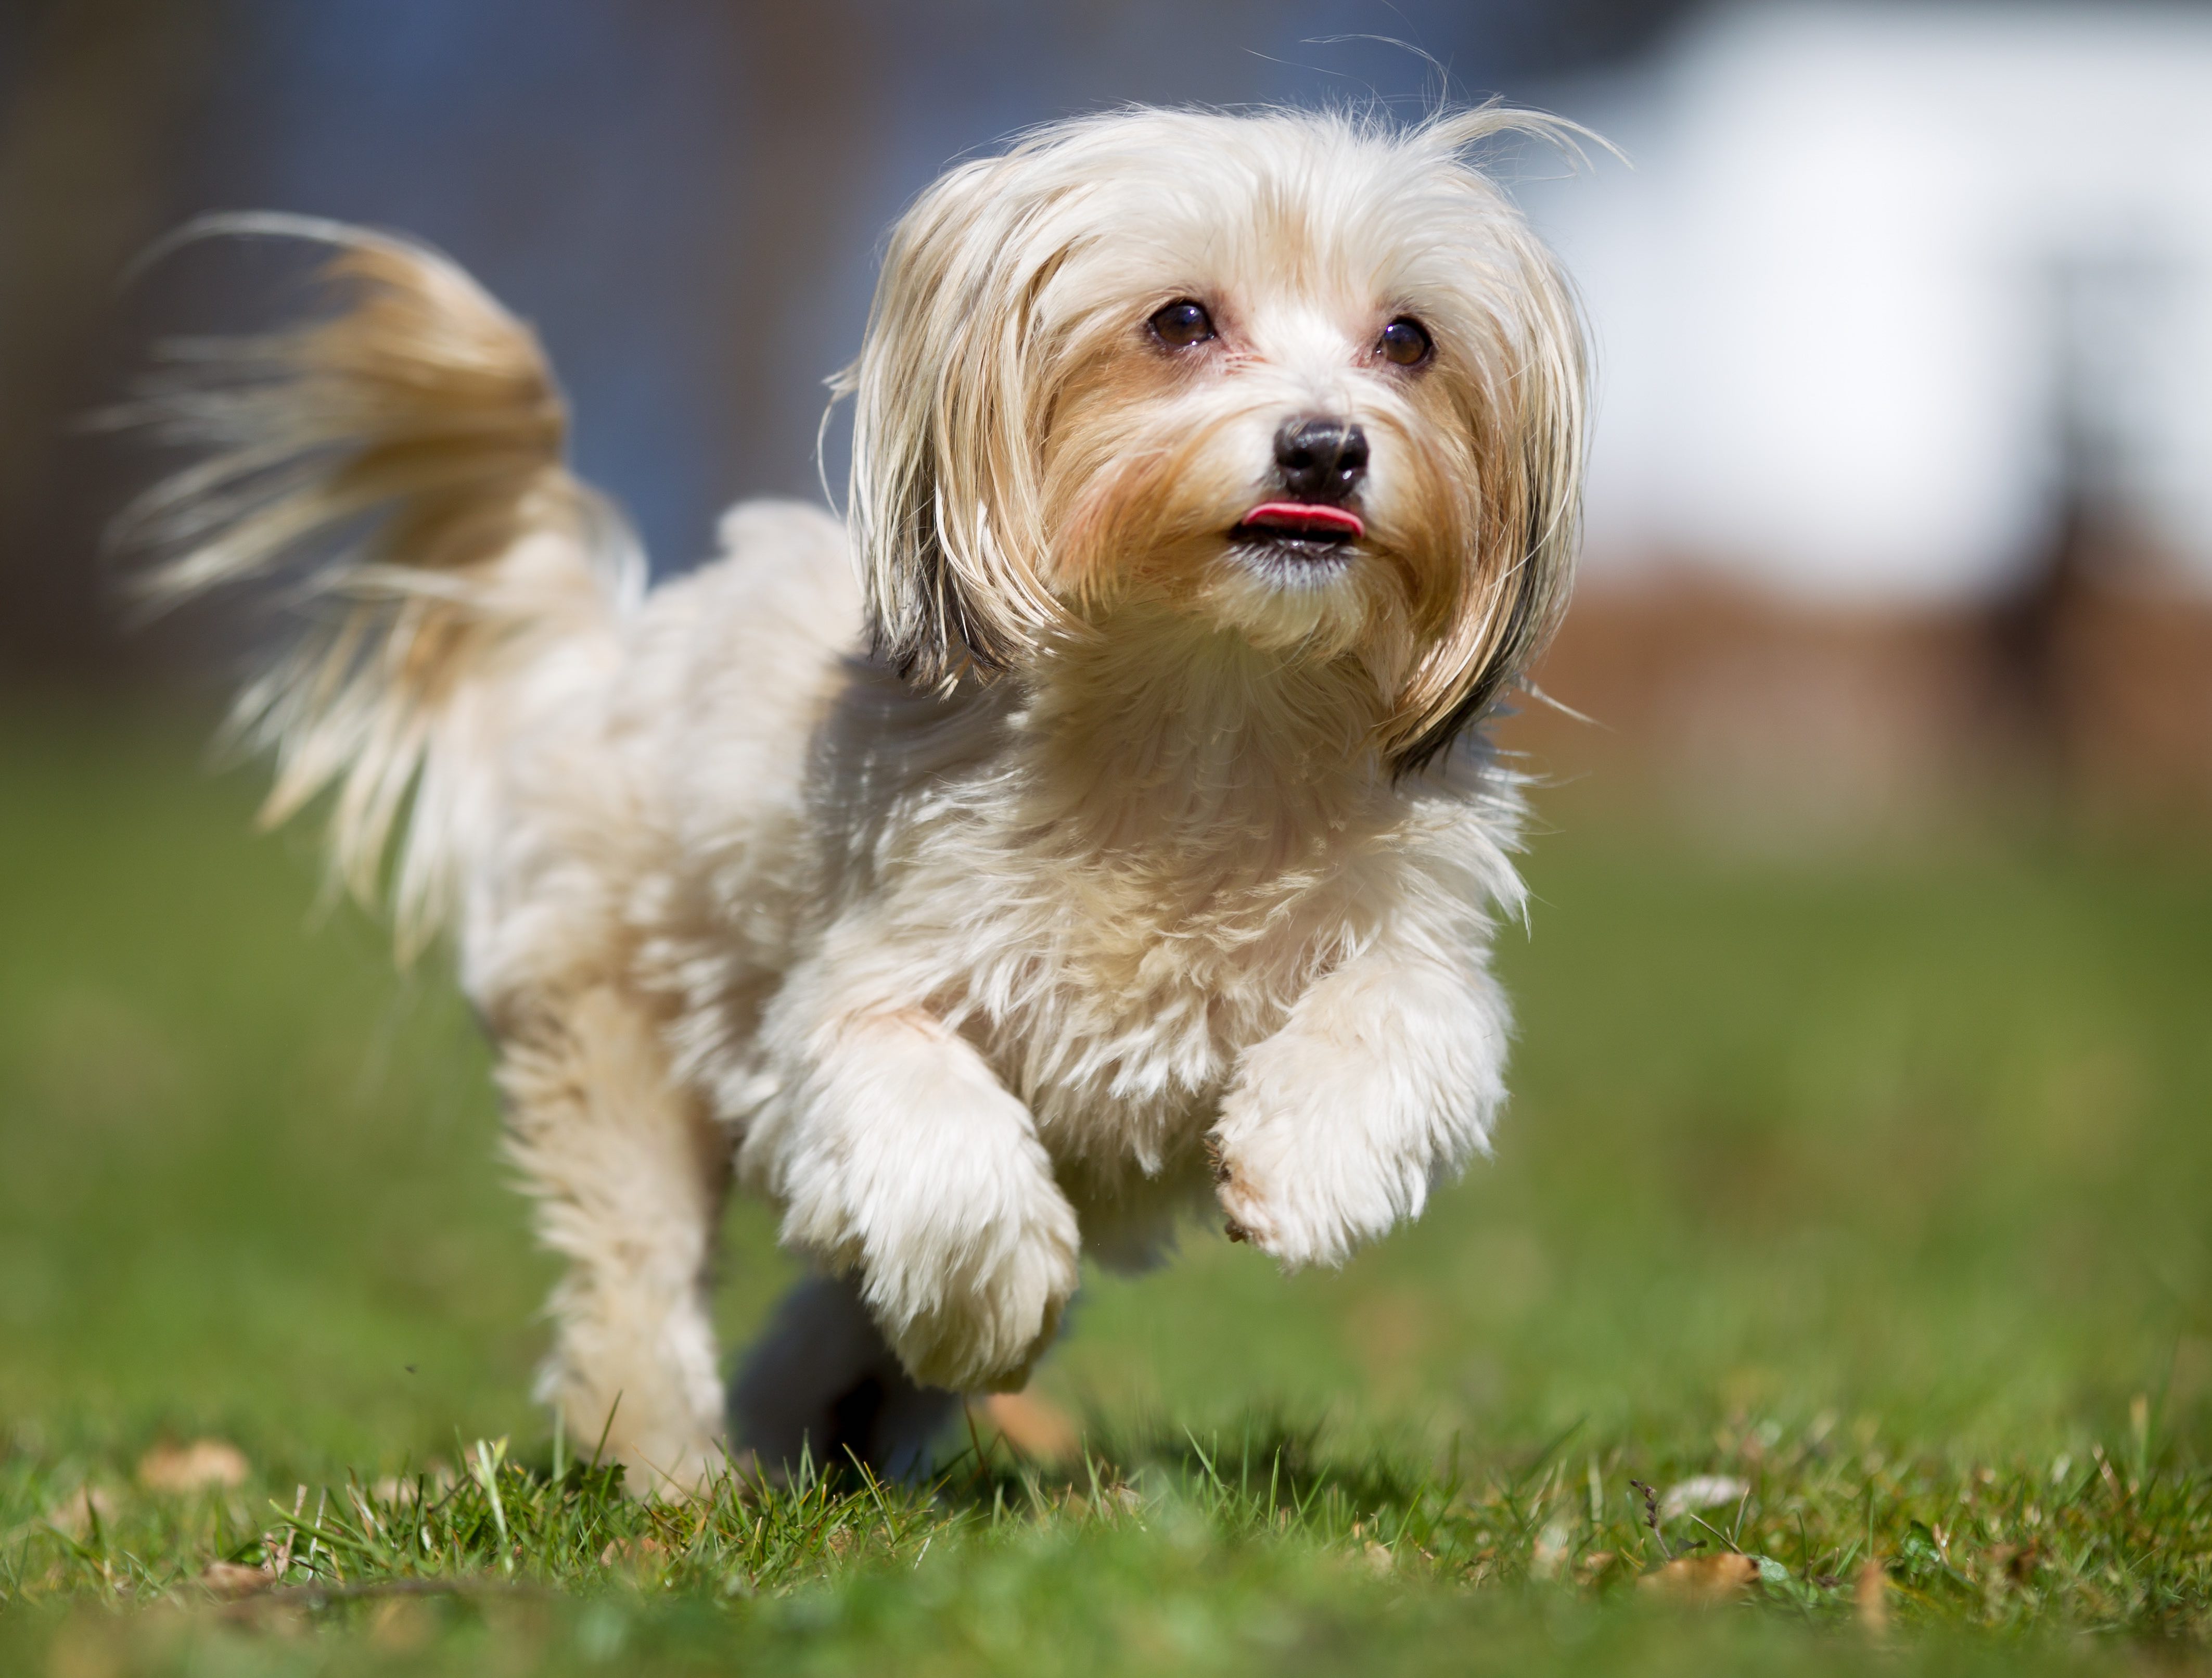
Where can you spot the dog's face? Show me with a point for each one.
(1297, 378)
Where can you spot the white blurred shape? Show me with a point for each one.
(1837, 295)
(1700, 1492)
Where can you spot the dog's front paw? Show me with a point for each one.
(985, 1324)
(903, 1163)
(1300, 1194)
(1258, 1191)
(967, 1266)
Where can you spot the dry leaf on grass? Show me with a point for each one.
(193, 1468)
(232, 1580)
(75, 1514)
(1703, 1578)
(1594, 1566)
(1870, 1596)
(636, 1552)
(1038, 1429)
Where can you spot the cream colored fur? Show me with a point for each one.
(1071, 867)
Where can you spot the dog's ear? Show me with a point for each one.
(947, 418)
(1527, 419)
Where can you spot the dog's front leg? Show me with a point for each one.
(1384, 1079)
(898, 1156)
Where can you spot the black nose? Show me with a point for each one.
(1320, 459)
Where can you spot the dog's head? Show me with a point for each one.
(1305, 378)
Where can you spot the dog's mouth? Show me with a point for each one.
(1299, 529)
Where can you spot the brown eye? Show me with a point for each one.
(1406, 343)
(1181, 324)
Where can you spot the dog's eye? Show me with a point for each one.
(1406, 343)
(1181, 324)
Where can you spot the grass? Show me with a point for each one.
(1875, 1184)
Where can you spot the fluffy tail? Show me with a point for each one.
(401, 458)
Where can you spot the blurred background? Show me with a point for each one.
(1862, 1065)
(1901, 489)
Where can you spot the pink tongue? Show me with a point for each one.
(1303, 515)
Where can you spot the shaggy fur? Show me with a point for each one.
(1070, 860)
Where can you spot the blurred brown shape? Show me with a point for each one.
(1714, 1578)
(1778, 720)
(193, 1468)
(640, 1554)
(84, 1508)
(1870, 1598)
(231, 1580)
(1034, 1427)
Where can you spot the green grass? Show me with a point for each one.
(1877, 1181)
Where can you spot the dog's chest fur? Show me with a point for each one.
(1116, 995)
(1113, 907)
(1112, 895)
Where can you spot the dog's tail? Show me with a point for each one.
(401, 459)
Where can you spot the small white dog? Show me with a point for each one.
(1097, 823)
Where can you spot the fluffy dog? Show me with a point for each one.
(1095, 823)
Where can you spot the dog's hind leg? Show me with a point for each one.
(630, 1174)
(823, 1384)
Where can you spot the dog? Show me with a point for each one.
(1096, 824)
